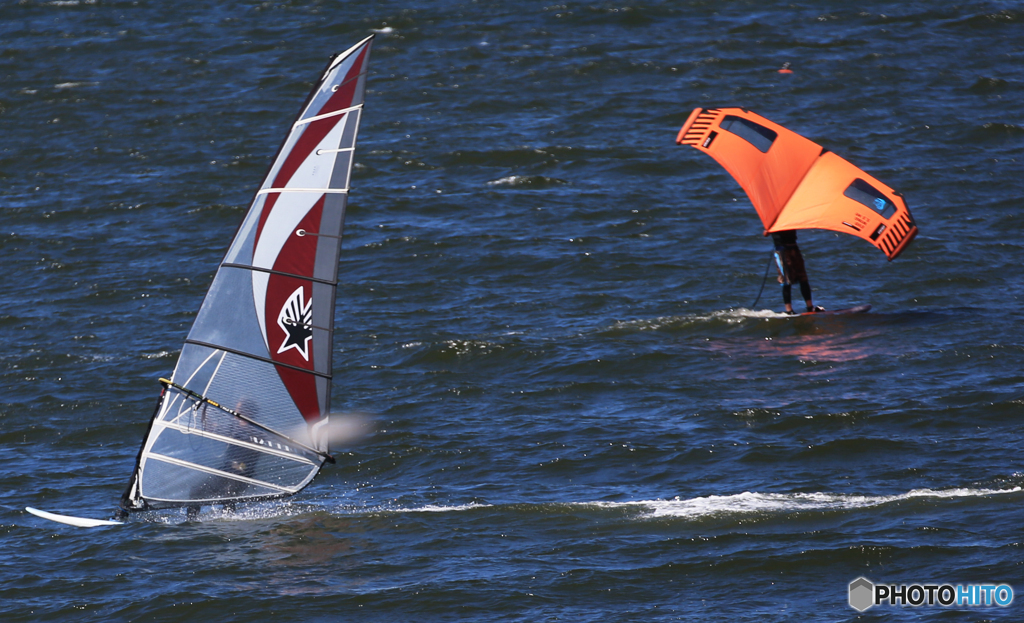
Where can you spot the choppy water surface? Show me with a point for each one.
(545, 310)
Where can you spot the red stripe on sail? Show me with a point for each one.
(297, 257)
(302, 388)
(292, 344)
(298, 254)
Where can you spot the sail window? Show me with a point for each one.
(866, 194)
(755, 134)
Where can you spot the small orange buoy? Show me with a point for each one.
(785, 69)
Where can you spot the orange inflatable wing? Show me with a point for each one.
(838, 196)
(765, 158)
(796, 184)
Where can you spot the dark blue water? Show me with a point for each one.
(544, 310)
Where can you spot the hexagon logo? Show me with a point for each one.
(862, 593)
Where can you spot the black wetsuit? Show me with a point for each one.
(792, 265)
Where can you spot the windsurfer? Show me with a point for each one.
(236, 459)
(790, 263)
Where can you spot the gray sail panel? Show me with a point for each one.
(227, 317)
(168, 485)
(195, 368)
(240, 251)
(197, 452)
(249, 386)
(328, 248)
(348, 137)
(207, 433)
(205, 454)
(289, 144)
(349, 128)
(323, 317)
(323, 394)
(342, 169)
(245, 463)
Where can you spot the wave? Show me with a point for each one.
(291, 509)
(73, 85)
(436, 508)
(163, 354)
(451, 350)
(729, 316)
(996, 131)
(527, 181)
(758, 503)
(988, 85)
(741, 504)
(746, 503)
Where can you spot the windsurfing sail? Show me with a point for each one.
(794, 183)
(243, 415)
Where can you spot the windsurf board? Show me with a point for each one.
(80, 522)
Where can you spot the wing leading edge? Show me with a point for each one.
(794, 183)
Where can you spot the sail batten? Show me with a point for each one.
(184, 428)
(243, 416)
(325, 375)
(216, 472)
(339, 191)
(277, 272)
(326, 115)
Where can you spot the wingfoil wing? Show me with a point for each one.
(795, 183)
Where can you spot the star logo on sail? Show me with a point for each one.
(296, 319)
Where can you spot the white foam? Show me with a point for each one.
(160, 354)
(753, 503)
(432, 508)
(510, 180)
(732, 316)
(72, 85)
(742, 312)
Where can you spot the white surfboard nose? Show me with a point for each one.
(80, 522)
